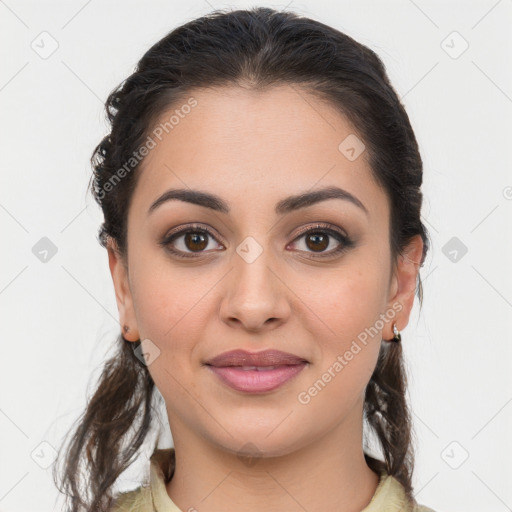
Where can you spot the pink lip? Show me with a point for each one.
(256, 381)
(228, 366)
(263, 358)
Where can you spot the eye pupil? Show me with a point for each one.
(196, 238)
(318, 237)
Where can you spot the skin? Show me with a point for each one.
(253, 149)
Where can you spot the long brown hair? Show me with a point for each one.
(255, 48)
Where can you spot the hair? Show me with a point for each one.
(256, 49)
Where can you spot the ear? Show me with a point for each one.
(119, 272)
(403, 284)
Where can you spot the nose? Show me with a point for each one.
(255, 297)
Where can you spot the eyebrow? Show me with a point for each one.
(286, 205)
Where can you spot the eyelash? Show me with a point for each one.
(345, 242)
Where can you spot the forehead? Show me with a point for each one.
(254, 147)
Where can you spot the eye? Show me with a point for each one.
(321, 237)
(190, 241)
(195, 240)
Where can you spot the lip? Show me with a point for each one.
(228, 366)
(256, 381)
(264, 358)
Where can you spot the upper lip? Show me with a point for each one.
(263, 358)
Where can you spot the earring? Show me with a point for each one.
(397, 336)
(126, 328)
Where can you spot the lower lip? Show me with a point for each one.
(254, 381)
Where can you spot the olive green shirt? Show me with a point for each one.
(389, 495)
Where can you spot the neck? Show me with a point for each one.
(327, 474)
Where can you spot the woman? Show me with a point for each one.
(261, 194)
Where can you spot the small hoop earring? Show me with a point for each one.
(397, 336)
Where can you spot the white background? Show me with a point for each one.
(59, 318)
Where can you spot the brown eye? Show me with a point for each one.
(317, 241)
(190, 242)
(196, 241)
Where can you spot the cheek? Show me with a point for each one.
(347, 350)
(346, 311)
(169, 301)
(338, 387)
(348, 303)
(172, 308)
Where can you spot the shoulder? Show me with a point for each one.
(152, 496)
(390, 496)
(422, 508)
(138, 500)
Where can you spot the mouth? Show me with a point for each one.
(258, 372)
(256, 379)
(255, 368)
(265, 360)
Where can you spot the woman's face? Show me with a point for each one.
(256, 282)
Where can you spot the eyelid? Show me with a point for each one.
(191, 227)
(320, 225)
